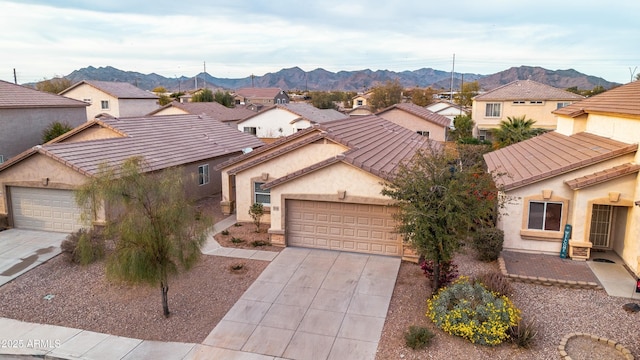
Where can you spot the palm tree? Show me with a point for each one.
(515, 129)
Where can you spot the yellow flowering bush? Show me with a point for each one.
(471, 311)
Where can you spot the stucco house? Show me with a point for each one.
(285, 119)
(25, 113)
(527, 98)
(418, 119)
(118, 99)
(584, 174)
(36, 186)
(264, 96)
(321, 187)
(447, 109)
(214, 110)
(361, 99)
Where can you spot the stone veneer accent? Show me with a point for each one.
(612, 343)
(545, 281)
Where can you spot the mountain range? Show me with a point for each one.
(360, 80)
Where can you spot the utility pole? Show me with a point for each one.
(252, 76)
(452, 71)
(15, 77)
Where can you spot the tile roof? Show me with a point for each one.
(599, 177)
(163, 141)
(258, 92)
(212, 109)
(375, 145)
(14, 96)
(550, 155)
(312, 113)
(420, 112)
(527, 90)
(120, 90)
(624, 100)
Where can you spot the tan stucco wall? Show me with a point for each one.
(324, 184)
(541, 114)
(415, 123)
(172, 110)
(137, 107)
(275, 168)
(95, 132)
(85, 91)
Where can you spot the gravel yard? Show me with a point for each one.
(557, 311)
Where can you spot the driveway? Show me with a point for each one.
(309, 304)
(22, 250)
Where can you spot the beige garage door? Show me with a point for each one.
(44, 209)
(342, 226)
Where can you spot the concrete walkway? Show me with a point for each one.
(614, 277)
(307, 304)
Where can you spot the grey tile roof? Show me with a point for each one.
(550, 155)
(212, 109)
(312, 113)
(375, 145)
(623, 100)
(163, 141)
(120, 90)
(420, 112)
(527, 90)
(253, 92)
(14, 96)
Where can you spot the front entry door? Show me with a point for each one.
(600, 232)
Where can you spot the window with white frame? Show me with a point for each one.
(536, 102)
(492, 110)
(423, 133)
(250, 130)
(519, 102)
(261, 196)
(545, 215)
(1, 159)
(87, 100)
(104, 104)
(203, 174)
(359, 102)
(560, 105)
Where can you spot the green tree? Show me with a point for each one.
(204, 95)
(54, 85)
(157, 231)
(322, 100)
(598, 89)
(54, 130)
(463, 128)
(159, 89)
(514, 130)
(468, 91)
(440, 202)
(224, 98)
(423, 97)
(386, 95)
(256, 211)
(574, 89)
(637, 77)
(164, 100)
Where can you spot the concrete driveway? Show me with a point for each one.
(309, 304)
(22, 250)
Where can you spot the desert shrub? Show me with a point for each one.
(236, 240)
(488, 243)
(467, 309)
(258, 243)
(496, 282)
(237, 267)
(256, 211)
(523, 333)
(418, 337)
(448, 271)
(84, 246)
(225, 232)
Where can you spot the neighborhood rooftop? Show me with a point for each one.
(120, 90)
(420, 112)
(163, 141)
(212, 109)
(14, 96)
(255, 92)
(312, 113)
(527, 90)
(549, 155)
(623, 100)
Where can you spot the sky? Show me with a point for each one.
(234, 39)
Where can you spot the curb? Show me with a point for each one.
(547, 282)
(611, 343)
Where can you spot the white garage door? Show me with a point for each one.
(44, 209)
(342, 226)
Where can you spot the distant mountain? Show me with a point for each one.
(360, 80)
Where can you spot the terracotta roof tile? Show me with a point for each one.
(120, 90)
(624, 100)
(14, 96)
(212, 109)
(527, 90)
(258, 92)
(420, 112)
(163, 141)
(602, 176)
(551, 154)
